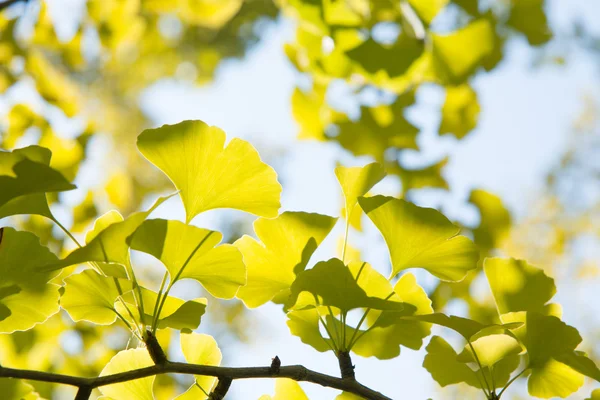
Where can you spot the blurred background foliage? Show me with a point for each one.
(83, 67)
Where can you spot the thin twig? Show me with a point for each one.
(296, 372)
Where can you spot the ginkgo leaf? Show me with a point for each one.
(595, 395)
(334, 285)
(393, 59)
(208, 175)
(110, 244)
(441, 362)
(288, 242)
(89, 296)
(554, 379)
(428, 9)
(14, 389)
(26, 297)
(387, 331)
(286, 389)
(460, 111)
(581, 363)
(421, 238)
(458, 54)
(123, 361)
(190, 252)
(467, 328)
(495, 220)
(305, 325)
(203, 350)
(357, 181)
(212, 14)
(529, 18)
(490, 349)
(175, 313)
(517, 285)
(25, 177)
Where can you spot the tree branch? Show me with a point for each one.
(8, 3)
(296, 372)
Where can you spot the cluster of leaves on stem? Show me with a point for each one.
(527, 340)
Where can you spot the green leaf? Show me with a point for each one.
(427, 177)
(441, 362)
(123, 361)
(203, 350)
(305, 325)
(467, 328)
(460, 111)
(26, 297)
(357, 181)
(428, 9)
(25, 177)
(581, 363)
(490, 349)
(517, 285)
(189, 252)
(89, 296)
(595, 395)
(286, 389)
(334, 285)
(288, 242)
(208, 175)
(554, 379)
(457, 55)
(110, 244)
(495, 219)
(421, 238)
(529, 18)
(394, 59)
(175, 313)
(14, 389)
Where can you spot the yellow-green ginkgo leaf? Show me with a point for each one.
(26, 297)
(110, 244)
(89, 296)
(286, 389)
(467, 328)
(490, 349)
(357, 181)
(546, 337)
(554, 379)
(332, 283)
(441, 362)
(25, 177)
(428, 9)
(203, 350)
(190, 252)
(175, 313)
(385, 331)
(421, 238)
(286, 245)
(595, 395)
(209, 175)
(458, 54)
(14, 389)
(495, 219)
(517, 285)
(127, 360)
(460, 111)
(305, 325)
(581, 363)
(211, 14)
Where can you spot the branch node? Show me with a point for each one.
(221, 389)
(84, 393)
(346, 367)
(156, 352)
(275, 366)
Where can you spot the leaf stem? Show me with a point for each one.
(510, 382)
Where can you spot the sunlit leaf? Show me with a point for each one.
(357, 181)
(89, 296)
(334, 285)
(458, 54)
(14, 389)
(110, 244)
(490, 349)
(189, 252)
(495, 219)
(26, 297)
(421, 238)
(394, 59)
(84, 212)
(529, 18)
(305, 325)
(126, 360)
(200, 349)
(212, 14)
(428, 9)
(518, 286)
(286, 245)
(460, 111)
(286, 389)
(208, 175)
(554, 379)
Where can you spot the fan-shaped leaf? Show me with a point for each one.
(208, 175)
(200, 349)
(123, 361)
(421, 238)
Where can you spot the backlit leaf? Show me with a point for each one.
(189, 252)
(286, 245)
(200, 349)
(209, 175)
(490, 349)
(305, 325)
(123, 361)
(421, 238)
(286, 389)
(460, 111)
